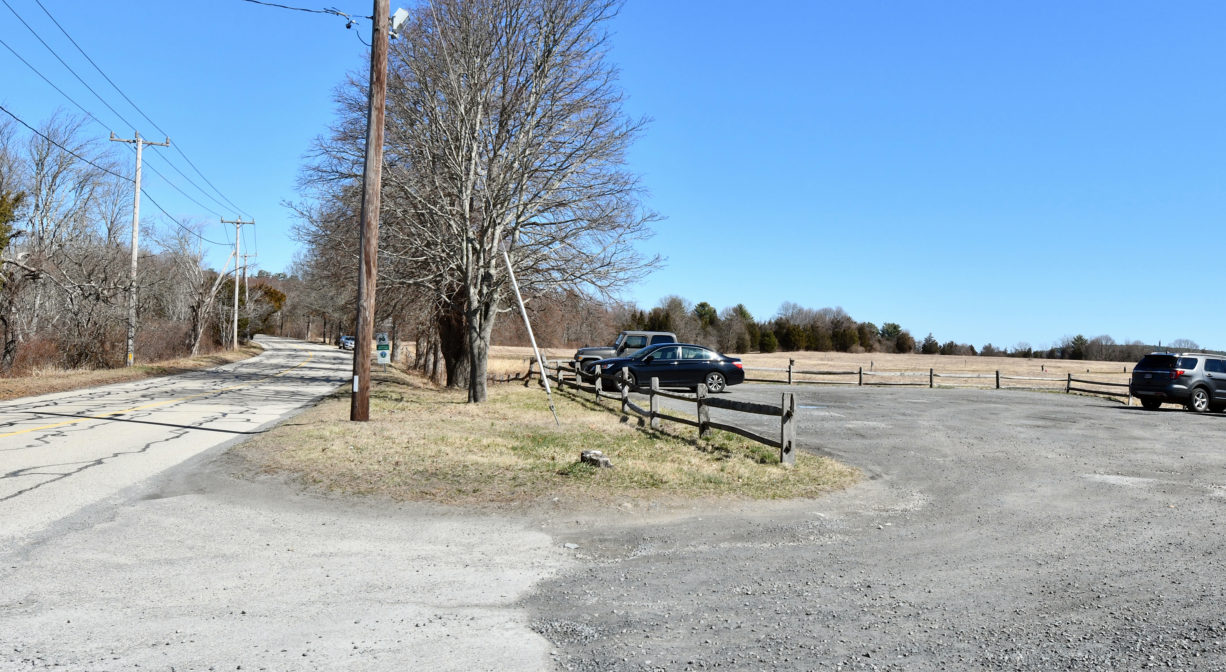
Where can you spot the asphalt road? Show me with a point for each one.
(999, 530)
(130, 539)
(62, 453)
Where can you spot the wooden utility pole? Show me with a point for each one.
(372, 179)
(140, 143)
(238, 236)
(247, 294)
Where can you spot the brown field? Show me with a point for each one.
(950, 371)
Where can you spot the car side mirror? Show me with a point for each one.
(650, 359)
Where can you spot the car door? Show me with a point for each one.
(663, 365)
(694, 366)
(1215, 373)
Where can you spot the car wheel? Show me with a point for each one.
(715, 382)
(631, 381)
(1151, 404)
(1199, 401)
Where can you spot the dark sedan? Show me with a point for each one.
(677, 365)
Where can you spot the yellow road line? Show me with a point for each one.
(104, 416)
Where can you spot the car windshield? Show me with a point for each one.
(1156, 362)
(644, 354)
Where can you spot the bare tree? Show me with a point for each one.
(507, 129)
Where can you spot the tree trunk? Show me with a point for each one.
(454, 346)
(395, 341)
(480, 326)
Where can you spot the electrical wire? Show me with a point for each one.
(146, 117)
(98, 121)
(172, 185)
(52, 85)
(327, 10)
(107, 171)
(66, 66)
(50, 140)
(176, 221)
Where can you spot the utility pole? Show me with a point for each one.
(238, 237)
(372, 179)
(247, 293)
(139, 142)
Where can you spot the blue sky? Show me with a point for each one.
(987, 172)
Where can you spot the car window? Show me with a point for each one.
(1187, 362)
(672, 352)
(1215, 366)
(636, 341)
(694, 352)
(1152, 362)
(661, 339)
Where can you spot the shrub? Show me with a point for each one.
(768, 342)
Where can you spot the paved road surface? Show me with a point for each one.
(61, 453)
(130, 540)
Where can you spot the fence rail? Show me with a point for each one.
(566, 376)
(930, 377)
(1068, 387)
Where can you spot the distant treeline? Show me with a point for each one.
(793, 328)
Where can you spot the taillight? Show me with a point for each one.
(738, 365)
(1176, 373)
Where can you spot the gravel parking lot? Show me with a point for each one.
(1000, 530)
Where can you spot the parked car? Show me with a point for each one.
(1195, 379)
(347, 343)
(677, 365)
(626, 344)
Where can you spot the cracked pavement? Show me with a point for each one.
(131, 539)
(61, 453)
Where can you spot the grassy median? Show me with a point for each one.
(428, 444)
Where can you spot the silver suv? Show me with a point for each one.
(1195, 379)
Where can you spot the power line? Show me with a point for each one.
(66, 66)
(109, 172)
(178, 223)
(52, 85)
(327, 10)
(142, 113)
(176, 188)
(50, 140)
(98, 121)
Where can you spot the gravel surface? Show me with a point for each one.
(1000, 530)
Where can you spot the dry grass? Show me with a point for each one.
(48, 381)
(506, 359)
(427, 444)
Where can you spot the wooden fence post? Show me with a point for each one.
(791, 364)
(998, 379)
(1068, 387)
(704, 412)
(861, 383)
(599, 381)
(787, 431)
(655, 403)
(930, 378)
(625, 374)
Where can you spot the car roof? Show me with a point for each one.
(657, 346)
